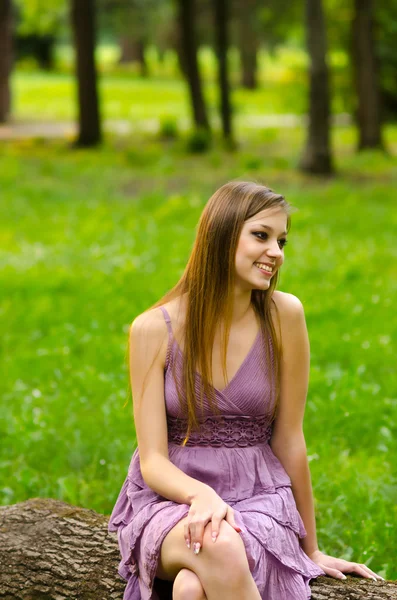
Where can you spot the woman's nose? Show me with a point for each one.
(275, 250)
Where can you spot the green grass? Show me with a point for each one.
(125, 95)
(90, 238)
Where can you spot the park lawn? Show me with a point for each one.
(91, 238)
(282, 77)
(43, 96)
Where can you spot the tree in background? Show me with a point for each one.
(316, 157)
(386, 50)
(5, 58)
(135, 24)
(38, 25)
(189, 49)
(222, 44)
(83, 24)
(255, 24)
(134, 51)
(248, 42)
(366, 76)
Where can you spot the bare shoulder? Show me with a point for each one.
(287, 314)
(149, 323)
(149, 334)
(288, 305)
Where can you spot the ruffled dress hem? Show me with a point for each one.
(269, 539)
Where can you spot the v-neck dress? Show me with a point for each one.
(231, 453)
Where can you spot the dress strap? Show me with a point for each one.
(170, 334)
(166, 318)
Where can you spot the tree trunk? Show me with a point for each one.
(127, 49)
(45, 51)
(5, 59)
(317, 154)
(188, 55)
(222, 45)
(248, 43)
(366, 76)
(50, 550)
(133, 50)
(248, 53)
(83, 22)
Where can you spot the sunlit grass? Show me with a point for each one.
(282, 89)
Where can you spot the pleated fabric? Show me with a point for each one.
(245, 473)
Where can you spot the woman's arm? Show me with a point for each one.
(288, 442)
(294, 459)
(147, 348)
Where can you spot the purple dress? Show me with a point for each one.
(232, 455)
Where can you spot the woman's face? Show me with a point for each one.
(262, 240)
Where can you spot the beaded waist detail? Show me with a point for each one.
(225, 430)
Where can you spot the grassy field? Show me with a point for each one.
(89, 239)
(125, 95)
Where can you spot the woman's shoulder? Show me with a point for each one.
(151, 326)
(286, 303)
(149, 330)
(176, 309)
(150, 321)
(287, 313)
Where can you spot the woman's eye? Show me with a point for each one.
(260, 233)
(283, 242)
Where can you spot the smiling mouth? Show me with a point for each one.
(264, 268)
(267, 274)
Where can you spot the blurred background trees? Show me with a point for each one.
(5, 58)
(358, 62)
(84, 32)
(187, 52)
(317, 154)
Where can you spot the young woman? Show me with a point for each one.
(218, 496)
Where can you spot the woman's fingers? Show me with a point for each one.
(194, 530)
(196, 535)
(216, 523)
(186, 533)
(332, 572)
(364, 571)
(231, 520)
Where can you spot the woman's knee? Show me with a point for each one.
(227, 554)
(187, 586)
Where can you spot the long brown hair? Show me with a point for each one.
(208, 282)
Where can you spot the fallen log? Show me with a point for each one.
(51, 550)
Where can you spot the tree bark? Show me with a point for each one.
(366, 76)
(51, 550)
(5, 59)
(133, 50)
(189, 63)
(83, 22)
(317, 154)
(248, 43)
(222, 45)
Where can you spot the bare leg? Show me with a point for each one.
(187, 586)
(222, 567)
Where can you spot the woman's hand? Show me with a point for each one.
(335, 567)
(206, 506)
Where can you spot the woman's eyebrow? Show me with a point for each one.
(271, 228)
